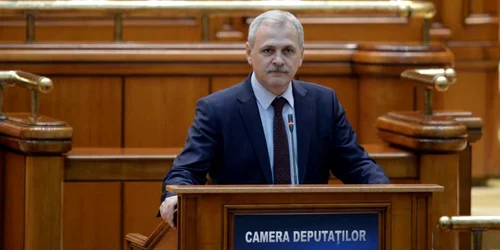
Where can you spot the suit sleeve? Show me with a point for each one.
(352, 164)
(192, 165)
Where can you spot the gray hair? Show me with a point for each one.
(276, 17)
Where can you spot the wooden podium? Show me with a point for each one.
(299, 217)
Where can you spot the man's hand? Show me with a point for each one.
(168, 210)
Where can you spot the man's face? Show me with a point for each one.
(275, 56)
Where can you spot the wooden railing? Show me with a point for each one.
(117, 9)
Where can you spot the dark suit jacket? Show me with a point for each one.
(227, 141)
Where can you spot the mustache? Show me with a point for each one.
(273, 69)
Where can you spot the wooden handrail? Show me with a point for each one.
(474, 224)
(469, 223)
(113, 164)
(146, 243)
(401, 8)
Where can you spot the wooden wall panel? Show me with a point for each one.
(76, 29)
(225, 28)
(91, 105)
(481, 6)
(377, 97)
(400, 207)
(222, 82)
(431, 171)
(17, 99)
(159, 111)
(14, 206)
(361, 29)
(140, 207)
(167, 29)
(470, 20)
(327, 28)
(347, 92)
(151, 27)
(43, 197)
(489, 6)
(12, 30)
(92, 215)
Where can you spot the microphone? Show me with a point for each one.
(294, 164)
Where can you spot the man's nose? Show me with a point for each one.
(278, 60)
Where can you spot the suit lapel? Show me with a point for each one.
(305, 113)
(251, 118)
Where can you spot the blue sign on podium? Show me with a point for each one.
(301, 231)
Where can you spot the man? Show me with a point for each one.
(239, 134)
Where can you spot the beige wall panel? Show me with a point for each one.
(159, 111)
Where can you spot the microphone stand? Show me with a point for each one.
(295, 168)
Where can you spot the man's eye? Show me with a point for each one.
(267, 51)
(289, 51)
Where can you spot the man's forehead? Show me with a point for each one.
(284, 28)
(279, 43)
(272, 35)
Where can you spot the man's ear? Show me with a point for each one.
(301, 56)
(248, 50)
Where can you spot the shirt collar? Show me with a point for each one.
(265, 97)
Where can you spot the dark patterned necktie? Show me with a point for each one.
(281, 153)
